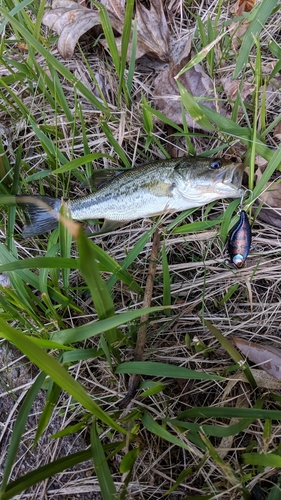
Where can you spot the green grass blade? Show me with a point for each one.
(51, 401)
(89, 268)
(36, 476)
(91, 329)
(126, 35)
(272, 166)
(132, 255)
(57, 372)
(109, 35)
(158, 430)
(226, 412)
(262, 459)
(193, 108)
(51, 60)
(14, 12)
(65, 241)
(258, 18)
(115, 144)
(19, 427)
(200, 56)
(236, 356)
(78, 162)
(102, 471)
(132, 62)
(194, 227)
(155, 369)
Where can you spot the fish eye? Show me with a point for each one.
(215, 164)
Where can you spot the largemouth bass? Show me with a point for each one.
(153, 189)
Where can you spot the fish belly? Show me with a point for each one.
(128, 208)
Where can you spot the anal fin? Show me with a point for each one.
(111, 225)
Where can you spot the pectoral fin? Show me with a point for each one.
(159, 188)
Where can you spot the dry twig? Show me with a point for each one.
(141, 338)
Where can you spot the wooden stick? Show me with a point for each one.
(141, 338)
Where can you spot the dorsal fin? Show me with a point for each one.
(101, 177)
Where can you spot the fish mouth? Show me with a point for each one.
(233, 178)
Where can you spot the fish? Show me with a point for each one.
(239, 241)
(163, 186)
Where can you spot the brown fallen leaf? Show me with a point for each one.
(71, 20)
(152, 26)
(239, 29)
(195, 80)
(271, 214)
(231, 88)
(244, 6)
(277, 131)
(266, 356)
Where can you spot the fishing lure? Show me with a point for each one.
(239, 241)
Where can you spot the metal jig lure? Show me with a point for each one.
(239, 240)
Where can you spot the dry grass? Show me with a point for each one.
(199, 282)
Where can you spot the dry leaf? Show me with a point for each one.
(277, 131)
(71, 20)
(266, 356)
(195, 80)
(243, 6)
(152, 28)
(261, 163)
(239, 29)
(263, 379)
(272, 197)
(231, 88)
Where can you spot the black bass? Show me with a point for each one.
(153, 189)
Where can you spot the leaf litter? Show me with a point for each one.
(198, 281)
(265, 356)
(71, 20)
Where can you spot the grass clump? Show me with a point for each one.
(205, 423)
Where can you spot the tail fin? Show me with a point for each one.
(39, 220)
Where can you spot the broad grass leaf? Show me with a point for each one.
(102, 471)
(54, 392)
(36, 476)
(149, 423)
(227, 412)
(266, 356)
(262, 459)
(163, 370)
(57, 372)
(19, 426)
(128, 461)
(90, 270)
(238, 29)
(258, 18)
(95, 328)
(196, 226)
